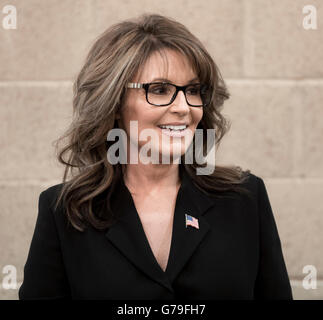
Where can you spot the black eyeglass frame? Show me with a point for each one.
(136, 85)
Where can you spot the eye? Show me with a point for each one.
(159, 89)
(193, 90)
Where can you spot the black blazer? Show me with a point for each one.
(235, 254)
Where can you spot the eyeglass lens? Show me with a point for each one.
(162, 93)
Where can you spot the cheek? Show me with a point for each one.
(197, 116)
(148, 117)
(130, 113)
(145, 117)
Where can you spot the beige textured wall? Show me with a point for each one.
(272, 65)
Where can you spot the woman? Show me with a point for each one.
(158, 229)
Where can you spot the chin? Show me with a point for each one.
(172, 154)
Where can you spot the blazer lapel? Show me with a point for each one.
(185, 240)
(128, 236)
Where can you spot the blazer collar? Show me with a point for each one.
(128, 235)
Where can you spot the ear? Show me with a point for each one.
(117, 115)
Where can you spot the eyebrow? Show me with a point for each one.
(167, 80)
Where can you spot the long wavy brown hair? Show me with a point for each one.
(114, 59)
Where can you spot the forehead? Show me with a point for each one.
(167, 64)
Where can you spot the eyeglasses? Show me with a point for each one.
(164, 93)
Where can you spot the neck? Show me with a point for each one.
(150, 178)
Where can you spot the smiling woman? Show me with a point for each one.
(160, 107)
(139, 230)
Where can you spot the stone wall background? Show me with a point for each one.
(271, 64)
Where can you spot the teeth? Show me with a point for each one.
(174, 127)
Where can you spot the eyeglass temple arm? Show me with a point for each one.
(134, 85)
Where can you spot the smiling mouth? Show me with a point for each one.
(178, 128)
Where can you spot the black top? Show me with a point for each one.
(234, 254)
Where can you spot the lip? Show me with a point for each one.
(175, 134)
(174, 124)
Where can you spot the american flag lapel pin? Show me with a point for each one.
(191, 221)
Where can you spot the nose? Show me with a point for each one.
(180, 104)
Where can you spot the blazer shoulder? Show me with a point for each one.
(252, 181)
(254, 185)
(249, 191)
(258, 191)
(51, 194)
(53, 190)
